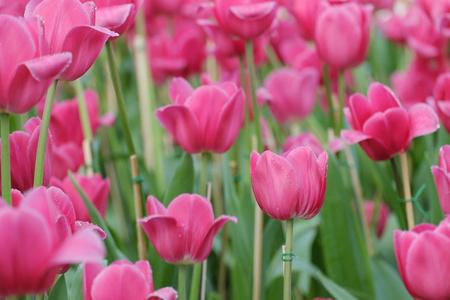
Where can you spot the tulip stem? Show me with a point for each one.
(182, 282)
(341, 93)
(326, 81)
(43, 134)
(287, 260)
(257, 252)
(195, 284)
(5, 158)
(407, 191)
(399, 186)
(137, 192)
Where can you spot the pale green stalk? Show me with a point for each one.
(6, 160)
(287, 273)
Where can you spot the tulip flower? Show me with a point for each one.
(382, 216)
(441, 97)
(291, 185)
(346, 25)
(205, 119)
(303, 139)
(122, 280)
(441, 176)
(423, 261)
(26, 70)
(382, 127)
(66, 157)
(306, 13)
(183, 233)
(37, 241)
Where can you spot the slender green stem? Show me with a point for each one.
(326, 81)
(120, 98)
(182, 282)
(287, 278)
(84, 115)
(397, 207)
(341, 93)
(205, 157)
(6, 162)
(407, 191)
(43, 134)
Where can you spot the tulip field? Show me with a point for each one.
(224, 149)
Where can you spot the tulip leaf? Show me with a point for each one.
(334, 289)
(388, 284)
(59, 291)
(183, 179)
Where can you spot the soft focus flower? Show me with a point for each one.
(122, 280)
(423, 261)
(381, 126)
(346, 25)
(16, 8)
(69, 27)
(26, 70)
(183, 233)
(205, 119)
(66, 157)
(291, 185)
(441, 176)
(306, 13)
(382, 215)
(303, 139)
(441, 99)
(37, 241)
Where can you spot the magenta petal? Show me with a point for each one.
(112, 17)
(179, 90)
(442, 181)
(81, 225)
(360, 109)
(444, 158)
(64, 205)
(444, 107)
(167, 293)
(90, 272)
(353, 136)
(381, 97)
(423, 120)
(154, 207)
(402, 243)
(146, 270)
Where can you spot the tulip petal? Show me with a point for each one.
(353, 136)
(442, 181)
(167, 293)
(180, 90)
(423, 120)
(80, 226)
(444, 158)
(154, 206)
(90, 272)
(146, 270)
(64, 205)
(381, 97)
(402, 244)
(360, 111)
(112, 17)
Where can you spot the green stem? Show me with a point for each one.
(120, 99)
(397, 207)
(341, 93)
(407, 191)
(205, 157)
(326, 81)
(195, 284)
(6, 162)
(251, 74)
(182, 282)
(84, 115)
(287, 279)
(43, 134)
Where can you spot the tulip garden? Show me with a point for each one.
(226, 149)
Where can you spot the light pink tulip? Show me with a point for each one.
(122, 280)
(381, 126)
(423, 261)
(291, 185)
(393, 27)
(205, 119)
(382, 216)
(26, 69)
(346, 25)
(69, 27)
(16, 8)
(441, 176)
(303, 139)
(441, 99)
(37, 241)
(183, 233)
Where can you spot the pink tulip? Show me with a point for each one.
(205, 119)
(37, 241)
(441, 176)
(441, 97)
(122, 280)
(292, 94)
(96, 189)
(346, 25)
(66, 157)
(423, 261)
(306, 13)
(393, 27)
(291, 185)
(69, 27)
(382, 127)
(16, 8)
(382, 216)
(245, 19)
(303, 139)
(26, 70)
(183, 233)
(379, 4)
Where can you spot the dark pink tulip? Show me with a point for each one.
(381, 126)
(306, 13)
(379, 4)
(303, 139)
(36, 243)
(96, 189)
(441, 97)
(292, 94)
(183, 233)
(69, 27)
(66, 157)
(122, 280)
(205, 119)
(16, 8)
(26, 70)
(291, 185)
(346, 25)
(245, 19)
(423, 261)
(382, 215)
(393, 27)
(441, 176)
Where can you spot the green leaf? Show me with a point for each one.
(388, 284)
(76, 284)
(59, 291)
(183, 179)
(334, 289)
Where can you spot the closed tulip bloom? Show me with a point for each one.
(122, 280)
(382, 216)
(205, 119)
(66, 157)
(183, 233)
(382, 127)
(346, 25)
(303, 139)
(423, 261)
(441, 176)
(37, 241)
(441, 97)
(290, 185)
(306, 13)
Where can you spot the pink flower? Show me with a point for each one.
(381, 126)
(291, 93)
(96, 189)
(306, 13)
(423, 261)
(382, 216)
(37, 241)
(26, 70)
(183, 233)
(291, 185)
(69, 27)
(303, 139)
(441, 176)
(441, 97)
(122, 280)
(205, 119)
(245, 19)
(346, 25)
